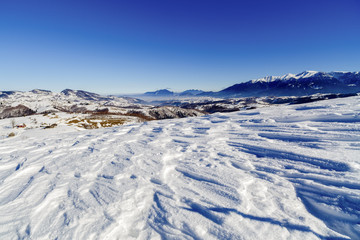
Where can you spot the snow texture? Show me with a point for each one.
(279, 172)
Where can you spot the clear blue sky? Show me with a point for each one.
(133, 46)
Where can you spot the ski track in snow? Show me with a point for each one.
(286, 172)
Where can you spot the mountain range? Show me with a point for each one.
(305, 83)
(167, 93)
(17, 103)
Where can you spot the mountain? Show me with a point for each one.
(5, 94)
(167, 93)
(191, 92)
(161, 92)
(305, 83)
(302, 84)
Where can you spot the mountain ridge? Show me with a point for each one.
(301, 84)
(305, 83)
(167, 93)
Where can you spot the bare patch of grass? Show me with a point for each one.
(98, 121)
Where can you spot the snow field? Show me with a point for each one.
(282, 172)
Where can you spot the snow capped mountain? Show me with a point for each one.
(285, 77)
(306, 74)
(305, 83)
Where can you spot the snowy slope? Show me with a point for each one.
(42, 108)
(305, 74)
(285, 172)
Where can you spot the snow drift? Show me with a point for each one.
(281, 172)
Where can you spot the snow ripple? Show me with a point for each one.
(276, 173)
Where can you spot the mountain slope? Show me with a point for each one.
(286, 172)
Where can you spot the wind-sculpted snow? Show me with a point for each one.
(285, 172)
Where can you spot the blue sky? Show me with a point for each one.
(134, 46)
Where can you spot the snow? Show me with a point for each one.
(278, 172)
(305, 74)
(44, 101)
(266, 79)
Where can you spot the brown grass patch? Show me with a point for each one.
(94, 122)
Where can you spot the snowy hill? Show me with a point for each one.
(305, 83)
(47, 101)
(76, 108)
(279, 172)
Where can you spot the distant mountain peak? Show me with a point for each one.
(67, 92)
(306, 74)
(191, 92)
(161, 92)
(167, 93)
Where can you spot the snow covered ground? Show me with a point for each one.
(65, 122)
(279, 172)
